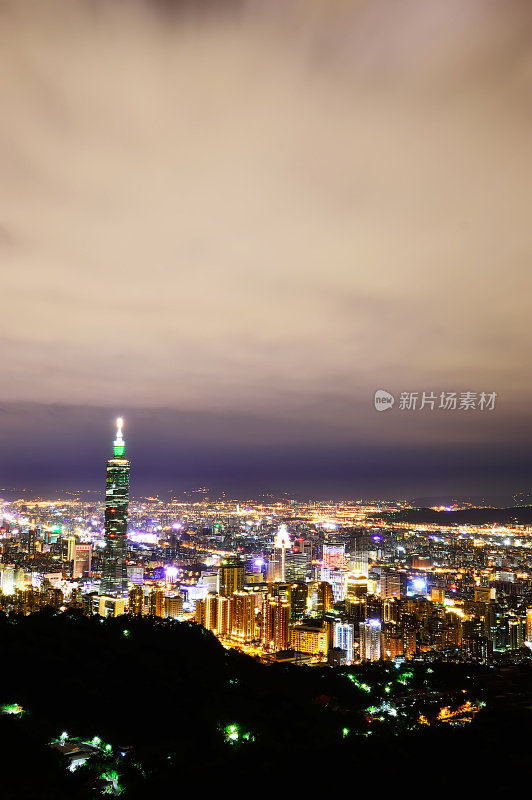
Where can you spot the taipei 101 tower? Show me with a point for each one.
(114, 573)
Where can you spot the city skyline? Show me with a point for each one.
(281, 248)
(237, 258)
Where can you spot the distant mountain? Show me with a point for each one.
(520, 515)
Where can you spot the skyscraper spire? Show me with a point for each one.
(119, 446)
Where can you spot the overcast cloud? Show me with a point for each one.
(268, 211)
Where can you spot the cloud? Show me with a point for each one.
(272, 209)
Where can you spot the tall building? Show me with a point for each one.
(312, 639)
(243, 617)
(156, 604)
(389, 584)
(224, 616)
(515, 633)
(392, 641)
(108, 606)
(370, 640)
(344, 634)
(174, 606)
(360, 558)
(277, 564)
(31, 541)
(334, 556)
(275, 634)
(11, 579)
(336, 578)
(298, 566)
(529, 624)
(210, 612)
(298, 601)
(323, 597)
(81, 561)
(231, 578)
(136, 601)
(114, 574)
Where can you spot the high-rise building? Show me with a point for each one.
(297, 565)
(136, 601)
(31, 541)
(356, 586)
(370, 640)
(298, 601)
(81, 562)
(275, 634)
(389, 584)
(312, 639)
(392, 641)
(224, 618)
(360, 558)
(211, 612)
(156, 605)
(243, 617)
(135, 574)
(108, 606)
(231, 578)
(323, 597)
(356, 609)
(483, 594)
(334, 556)
(114, 574)
(277, 564)
(336, 578)
(343, 638)
(515, 633)
(437, 594)
(174, 606)
(11, 579)
(529, 624)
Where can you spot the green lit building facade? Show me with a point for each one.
(114, 574)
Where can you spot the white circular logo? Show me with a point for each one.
(383, 400)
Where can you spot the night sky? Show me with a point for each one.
(232, 223)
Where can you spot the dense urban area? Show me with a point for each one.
(240, 628)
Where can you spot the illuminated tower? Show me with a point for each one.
(370, 640)
(243, 607)
(114, 574)
(344, 634)
(275, 624)
(277, 565)
(231, 578)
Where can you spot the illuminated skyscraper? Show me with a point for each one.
(81, 562)
(322, 598)
(174, 606)
(344, 635)
(275, 624)
(231, 578)
(334, 556)
(114, 574)
(529, 624)
(359, 560)
(243, 617)
(224, 616)
(211, 612)
(337, 580)
(370, 640)
(298, 601)
(136, 601)
(277, 564)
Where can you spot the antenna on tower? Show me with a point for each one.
(119, 445)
